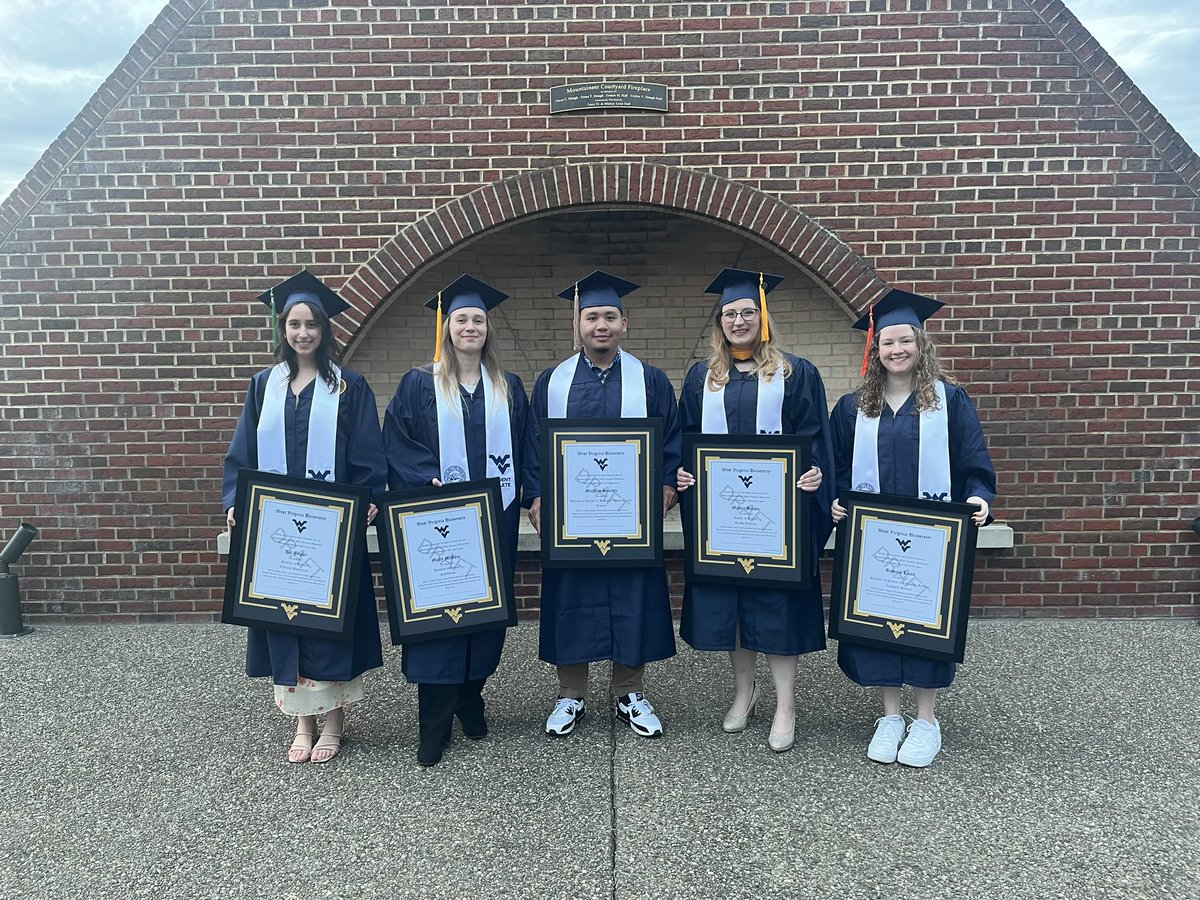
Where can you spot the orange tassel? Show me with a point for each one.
(870, 339)
(762, 301)
(437, 350)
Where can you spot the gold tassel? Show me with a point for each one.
(762, 301)
(576, 338)
(437, 350)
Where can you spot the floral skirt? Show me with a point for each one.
(311, 698)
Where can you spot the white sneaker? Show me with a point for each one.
(635, 710)
(567, 711)
(922, 744)
(889, 732)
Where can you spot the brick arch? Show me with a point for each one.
(845, 274)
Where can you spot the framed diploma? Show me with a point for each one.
(744, 521)
(602, 497)
(902, 574)
(295, 554)
(444, 565)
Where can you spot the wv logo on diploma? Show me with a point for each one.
(443, 530)
(602, 463)
(746, 480)
(300, 525)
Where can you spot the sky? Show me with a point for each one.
(54, 54)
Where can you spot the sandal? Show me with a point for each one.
(330, 742)
(302, 747)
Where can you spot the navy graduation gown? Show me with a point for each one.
(358, 460)
(605, 613)
(971, 475)
(410, 436)
(782, 622)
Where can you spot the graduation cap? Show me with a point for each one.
(597, 289)
(742, 284)
(464, 292)
(303, 287)
(897, 307)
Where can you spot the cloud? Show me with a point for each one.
(1157, 44)
(54, 54)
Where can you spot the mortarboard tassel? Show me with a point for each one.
(437, 350)
(575, 336)
(870, 339)
(274, 323)
(762, 302)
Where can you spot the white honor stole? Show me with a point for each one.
(768, 416)
(319, 461)
(633, 386)
(933, 460)
(452, 438)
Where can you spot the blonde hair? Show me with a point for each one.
(929, 370)
(446, 377)
(768, 357)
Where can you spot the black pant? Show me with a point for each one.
(438, 704)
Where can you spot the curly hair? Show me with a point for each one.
(768, 357)
(929, 370)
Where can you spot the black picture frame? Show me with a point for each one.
(296, 555)
(928, 592)
(566, 442)
(421, 521)
(712, 458)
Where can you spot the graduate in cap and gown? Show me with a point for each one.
(910, 429)
(462, 418)
(749, 385)
(309, 418)
(592, 614)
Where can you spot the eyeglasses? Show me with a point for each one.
(746, 315)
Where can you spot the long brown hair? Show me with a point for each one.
(447, 376)
(768, 356)
(327, 354)
(929, 370)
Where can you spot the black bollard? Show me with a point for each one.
(11, 625)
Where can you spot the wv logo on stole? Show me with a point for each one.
(502, 463)
(323, 475)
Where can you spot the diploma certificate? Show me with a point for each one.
(902, 574)
(602, 493)
(446, 563)
(746, 522)
(296, 555)
(445, 570)
(296, 559)
(746, 506)
(600, 490)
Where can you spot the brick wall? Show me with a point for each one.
(983, 151)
